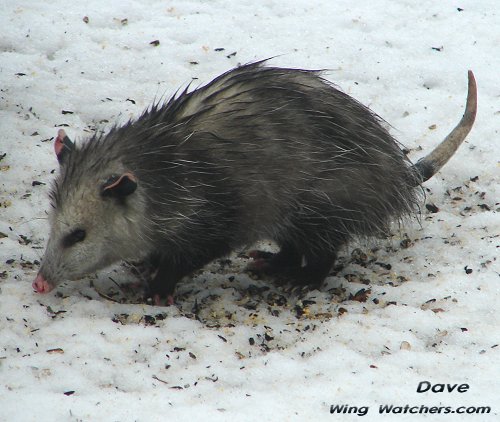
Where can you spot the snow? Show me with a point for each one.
(425, 318)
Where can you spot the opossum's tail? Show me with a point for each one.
(429, 165)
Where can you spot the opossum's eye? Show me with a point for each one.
(75, 236)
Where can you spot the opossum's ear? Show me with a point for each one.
(119, 186)
(63, 145)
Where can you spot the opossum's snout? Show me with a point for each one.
(41, 285)
(54, 269)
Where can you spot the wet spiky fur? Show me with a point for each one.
(258, 153)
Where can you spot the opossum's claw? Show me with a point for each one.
(157, 300)
(41, 285)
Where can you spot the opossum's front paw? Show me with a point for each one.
(147, 270)
(41, 285)
(160, 294)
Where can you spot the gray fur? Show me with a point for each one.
(258, 153)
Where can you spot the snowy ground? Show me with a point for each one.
(235, 348)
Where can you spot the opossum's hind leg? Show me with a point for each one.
(316, 269)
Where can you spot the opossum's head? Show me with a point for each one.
(93, 221)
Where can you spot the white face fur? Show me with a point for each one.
(91, 230)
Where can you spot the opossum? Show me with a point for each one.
(259, 153)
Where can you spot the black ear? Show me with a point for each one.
(119, 186)
(63, 146)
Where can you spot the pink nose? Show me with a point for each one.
(41, 285)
